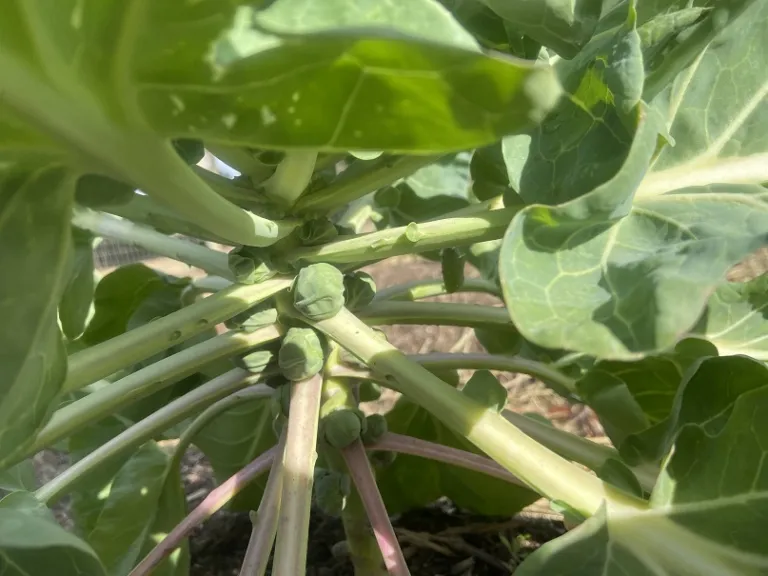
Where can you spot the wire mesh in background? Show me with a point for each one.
(111, 253)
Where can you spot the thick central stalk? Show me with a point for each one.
(298, 476)
(539, 467)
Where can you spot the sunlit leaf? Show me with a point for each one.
(706, 512)
(637, 263)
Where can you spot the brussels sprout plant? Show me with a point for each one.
(600, 165)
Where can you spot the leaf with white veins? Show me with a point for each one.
(707, 515)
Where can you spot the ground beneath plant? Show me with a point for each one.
(438, 540)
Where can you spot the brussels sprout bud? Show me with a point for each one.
(301, 354)
(249, 265)
(376, 427)
(280, 401)
(368, 391)
(317, 231)
(259, 316)
(359, 290)
(343, 426)
(331, 490)
(452, 263)
(256, 361)
(318, 291)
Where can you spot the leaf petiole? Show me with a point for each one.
(140, 343)
(536, 465)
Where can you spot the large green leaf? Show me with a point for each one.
(428, 193)
(76, 301)
(427, 20)
(87, 495)
(235, 438)
(585, 140)
(736, 320)
(618, 274)
(118, 295)
(630, 397)
(35, 245)
(202, 69)
(32, 544)
(411, 482)
(353, 69)
(28, 503)
(707, 510)
(563, 25)
(142, 502)
(717, 110)
(705, 397)
(19, 477)
(492, 31)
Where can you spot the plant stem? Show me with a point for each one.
(142, 383)
(411, 239)
(581, 450)
(537, 466)
(361, 541)
(495, 203)
(363, 547)
(175, 184)
(140, 343)
(399, 443)
(243, 161)
(102, 224)
(291, 177)
(212, 503)
(242, 196)
(360, 179)
(211, 283)
(497, 362)
(144, 210)
(450, 361)
(298, 476)
(362, 475)
(143, 431)
(419, 289)
(207, 416)
(265, 520)
(436, 313)
(106, 147)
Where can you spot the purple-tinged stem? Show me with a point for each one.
(362, 475)
(391, 442)
(265, 519)
(207, 508)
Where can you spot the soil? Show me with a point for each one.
(438, 540)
